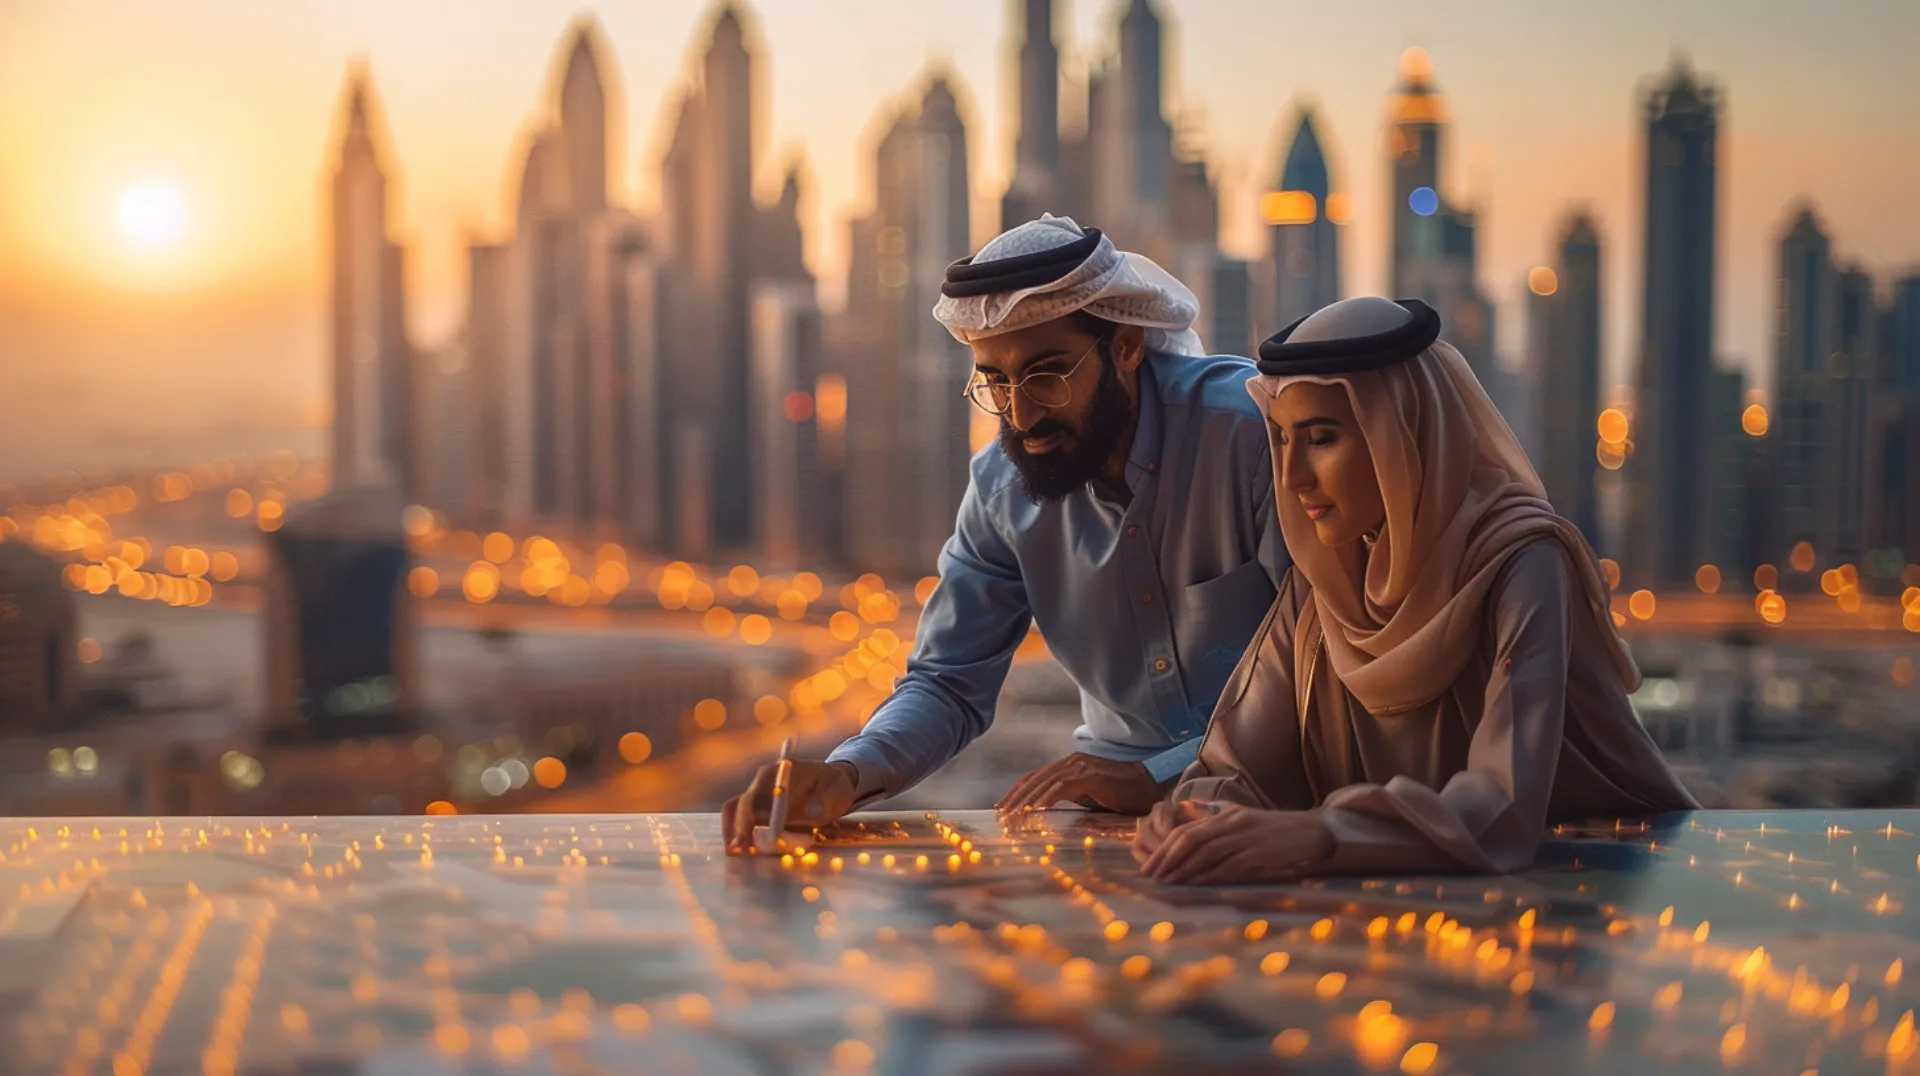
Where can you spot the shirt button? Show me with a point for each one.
(1146, 596)
(1160, 665)
(1150, 465)
(1131, 531)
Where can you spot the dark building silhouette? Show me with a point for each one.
(1669, 471)
(1304, 241)
(39, 634)
(1564, 326)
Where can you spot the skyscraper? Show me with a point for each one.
(1563, 327)
(1808, 291)
(1418, 116)
(1130, 141)
(1850, 385)
(906, 422)
(1304, 243)
(372, 361)
(719, 245)
(793, 494)
(1035, 186)
(1435, 244)
(1895, 497)
(1667, 528)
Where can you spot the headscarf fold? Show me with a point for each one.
(1461, 498)
(1121, 287)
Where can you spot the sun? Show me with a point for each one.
(153, 213)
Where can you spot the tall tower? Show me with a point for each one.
(1142, 70)
(371, 361)
(722, 269)
(1304, 244)
(1671, 457)
(906, 423)
(1808, 291)
(1129, 141)
(583, 124)
(1036, 169)
(1417, 119)
(1564, 322)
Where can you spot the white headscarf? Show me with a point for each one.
(1112, 284)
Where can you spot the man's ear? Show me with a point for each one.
(1129, 347)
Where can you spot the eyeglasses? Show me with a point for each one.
(1048, 390)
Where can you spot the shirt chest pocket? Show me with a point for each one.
(1222, 612)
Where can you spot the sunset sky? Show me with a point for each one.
(233, 103)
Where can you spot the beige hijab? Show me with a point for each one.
(1461, 497)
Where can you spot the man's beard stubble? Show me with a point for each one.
(1051, 476)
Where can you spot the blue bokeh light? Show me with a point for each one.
(1423, 201)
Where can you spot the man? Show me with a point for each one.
(1126, 509)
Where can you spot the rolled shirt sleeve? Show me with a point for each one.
(968, 632)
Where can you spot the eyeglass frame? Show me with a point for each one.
(1020, 385)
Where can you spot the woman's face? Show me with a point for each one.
(1325, 463)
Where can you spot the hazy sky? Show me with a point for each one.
(236, 102)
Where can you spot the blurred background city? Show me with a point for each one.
(513, 407)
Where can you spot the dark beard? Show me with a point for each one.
(1053, 475)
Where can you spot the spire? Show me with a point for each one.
(1306, 164)
(1416, 100)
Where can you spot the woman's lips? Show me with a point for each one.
(1315, 511)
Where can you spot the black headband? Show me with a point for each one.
(966, 279)
(1350, 355)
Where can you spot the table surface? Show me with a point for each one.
(939, 943)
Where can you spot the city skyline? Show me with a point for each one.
(1847, 140)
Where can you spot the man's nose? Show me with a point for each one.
(1025, 412)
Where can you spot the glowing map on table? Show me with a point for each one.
(938, 944)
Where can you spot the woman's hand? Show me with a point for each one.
(1237, 844)
(1165, 817)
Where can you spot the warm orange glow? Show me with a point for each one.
(1289, 207)
(481, 583)
(770, 710)
(792, 605)
(1339, 207)
(742, 581)
(239, 503)
(498, 547)
(1903, 675)
(1610, 569)
(1802, 557)
(1766, 577)
(271, 515)
(550, 772)
(423, 582)
(755, 629)
(1773, 607)
(718, 621)
(1754, 420)
(89, 651)
(923, 590)
(1613, 426)
(635, 747)
(710, 714)
(1641, 604)
(808, 584)
(830, 401)
(1707, 579)
(844, 626)
(1416, 65)
(441, 807)
(1542, 280)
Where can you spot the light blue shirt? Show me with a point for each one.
(1147, 604)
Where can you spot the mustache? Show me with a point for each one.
(1046, 427)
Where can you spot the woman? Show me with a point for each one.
(1440, 677)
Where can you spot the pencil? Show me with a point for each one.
(782, 778)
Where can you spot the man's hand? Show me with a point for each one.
(1120, 787)
(817, 793)
(1239, 844)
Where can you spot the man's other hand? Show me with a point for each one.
(1089, 780)
(818, 793)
